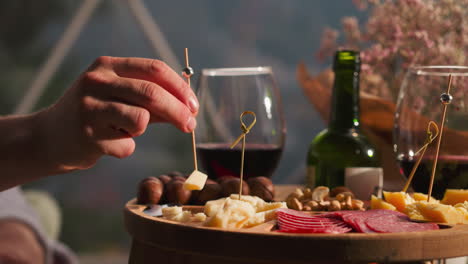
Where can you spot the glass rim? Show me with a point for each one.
(440, 70)
(237, 71)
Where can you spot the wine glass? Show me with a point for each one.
(224, 94)
(419, 102)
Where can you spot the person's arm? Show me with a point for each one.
(19, 244)
(109, 104)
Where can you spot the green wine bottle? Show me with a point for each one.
(341, 155)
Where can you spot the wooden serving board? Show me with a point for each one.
(162, 241)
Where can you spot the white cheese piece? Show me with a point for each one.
(196, 181)
(211, 207)
(199, 217)
(231, 214)
(171, 211)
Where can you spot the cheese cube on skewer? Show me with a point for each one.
(196, 181)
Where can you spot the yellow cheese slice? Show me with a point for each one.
(378, 203)
(463, 209)
(423, 197)
(413, 212)
(440, 213)
(398, 199)
(196, 181)
(455, 196)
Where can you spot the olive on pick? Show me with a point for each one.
(150, 191)
(262, 187)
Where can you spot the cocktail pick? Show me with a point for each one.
(429, 139)
(445, 99)
(245, 131)
(197, 179)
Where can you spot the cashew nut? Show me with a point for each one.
(314, 205)
(358, 204)
(307, 193)
(294, 203)
(334, 206)
(348, 203)
(343, 196)
(320, 193)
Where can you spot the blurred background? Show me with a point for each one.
(218, 33)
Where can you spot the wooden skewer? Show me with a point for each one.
(429, 139)
(187, 76)
(245, 131)
(434, 166)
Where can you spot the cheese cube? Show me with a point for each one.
(171, 211)
(455, 196)
(199, 217)
(398, 199)
(378, 203)
(440, 213)
(211, 207)
(413, 212)
(423, 197)
(270, 206)
(253, 200)
(196, 181)
(232, 214)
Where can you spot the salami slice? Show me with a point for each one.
(357, 219)
(292, 221)
(396, 224)
(380, 221)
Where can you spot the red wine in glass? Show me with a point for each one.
(220, 160)
(451, 173)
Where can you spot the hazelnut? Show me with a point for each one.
(262, 187)
(337, 190)
(164, 178)
(231, 186)
(211, 191)
(176, 193)
(150, 191)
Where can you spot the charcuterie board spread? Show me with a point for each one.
(343, 235)
(228, 220)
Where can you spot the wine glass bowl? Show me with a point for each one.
(418, 103)
(224, 94)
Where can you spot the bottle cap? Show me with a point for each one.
(347, 60)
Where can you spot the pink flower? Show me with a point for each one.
(400, 33)
(327, 44)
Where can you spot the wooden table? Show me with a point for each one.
(157, 240)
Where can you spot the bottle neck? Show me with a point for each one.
(344, 112)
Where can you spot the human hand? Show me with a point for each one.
(18, 244)
(110, 103)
